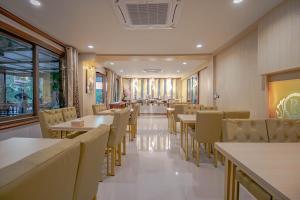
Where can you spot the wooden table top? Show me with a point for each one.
(15, 149)
(187, 118)
(90, 122)
(274, 166)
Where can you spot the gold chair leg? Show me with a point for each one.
(237, 190)
(215, 156)
(124, 145)
(197, 153)
(119, 155)
(193, 147)
(95, 197)
(111, 164)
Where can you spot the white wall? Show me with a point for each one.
(87, 100)
(279, 38)
(237, 79)
(206, 82)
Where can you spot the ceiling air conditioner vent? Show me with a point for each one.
(144, 14)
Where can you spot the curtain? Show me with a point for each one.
(109, 96)
(72, 78)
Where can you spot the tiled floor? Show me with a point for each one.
(154, 169)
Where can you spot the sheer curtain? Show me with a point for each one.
(72, 78)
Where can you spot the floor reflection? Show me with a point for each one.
(153, 142)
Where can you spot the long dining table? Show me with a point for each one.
(90, 122)
(273, 166)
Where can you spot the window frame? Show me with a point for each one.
(104, 86)
(24, 119)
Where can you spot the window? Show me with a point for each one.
(29, 78)
(117, 90)
(16, 77)
(192, 89)
(49, 79)
(99, 88)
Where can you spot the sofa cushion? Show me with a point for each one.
(283, 130)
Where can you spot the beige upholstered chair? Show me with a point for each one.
(69, 113)
(257, 191)
(207, 130)
(46, 175)
(98, 108)
(117, 132)
(133, 122)
(283, 130)
(48, 118)
(92, 154)
(52, 117)
(244, 130)
(178, 109)
(191, 108)
(236, 114)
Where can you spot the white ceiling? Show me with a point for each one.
(171, 66)
(84, 22)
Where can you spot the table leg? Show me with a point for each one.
(186, 142)
(181, 134)
(230, 170)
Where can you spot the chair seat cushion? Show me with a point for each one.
(257, 191)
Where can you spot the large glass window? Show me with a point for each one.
(192, 89)
(99, 88)
(16, 77)
(29, 78)
(49, 79)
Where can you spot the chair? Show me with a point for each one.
(93, 144)
(178, 109)
(207, 130)
(48, 118)
(98, 108)
(236, 114)
(69, 113)
(283, 130)
(133, 123)
(117, 132)
(53, 117)
(191, 109)
(244, 130)
(48, 174)
(210, 108)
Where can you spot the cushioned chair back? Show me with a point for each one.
(134, 115)
(48, 118)
(178, 109)
(118, 127)
(244, 130)
(283, 130)
(208, 126)
(192, 108)
(210, 108)
(92, 152)
(69, 113)
(236, 114)
(98, 108)
(46, 175)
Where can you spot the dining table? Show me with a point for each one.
(185, 121)
(112, 111)
(273, 166)
(14, 149)
(90, 122)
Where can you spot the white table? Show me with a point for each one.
(15, 149)
(185, 120)
(90, 122)
(111, 111)
(273, 166)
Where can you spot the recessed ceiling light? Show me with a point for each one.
(178, 71)
(184, 63)
(121, 70)
(35, 2)
(91, 46)
(237, 1)
(111, 63)
(199, 45)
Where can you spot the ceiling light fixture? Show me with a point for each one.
(184, 63)
(199, 46)
(111, 63)
(91, 46)
(35, 3)
(237, 1)
(121, 70)
(178, 71)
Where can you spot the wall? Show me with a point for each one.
(279, 38)
(237, 78)
(85, 60)
(206, 87)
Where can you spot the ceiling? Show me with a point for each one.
(170, 66)
(81, 23)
